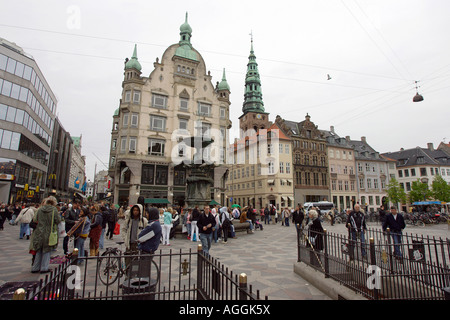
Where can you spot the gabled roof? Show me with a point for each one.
(419, 156)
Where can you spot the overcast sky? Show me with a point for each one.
(374, 52)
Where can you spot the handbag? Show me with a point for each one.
(116, 229)
(53, 238)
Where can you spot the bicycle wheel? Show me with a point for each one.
(108, 267)
(420, 223)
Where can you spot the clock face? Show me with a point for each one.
(258, 116)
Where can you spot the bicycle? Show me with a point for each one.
(112, 265)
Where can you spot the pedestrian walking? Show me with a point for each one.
(206, 222)
(24, 218)
(167, 226)
(194, 229)
(96, 230)
(71, 216)
(356, 223)
(133, 224)
(315, 237)
(225, 222)
(396, 224)
(47, 220)
(80, 231)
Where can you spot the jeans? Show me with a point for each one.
(41, 261)
(166, 233)
(355, 239)
(216, 233)
(397, 239)
(102, 239)
(24, 230)
(206, 239)
(188, 228)
(79, 244)
(267, 219)
(286, 222)
(194, 229)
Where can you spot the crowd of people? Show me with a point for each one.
(146, 228)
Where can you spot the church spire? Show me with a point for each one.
(252, 95)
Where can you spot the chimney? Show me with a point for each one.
(430, 146)
(347, 138)
(363, 139)
(332, 129)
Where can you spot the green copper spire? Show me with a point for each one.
(185, 49)
(252, 94)
(133, 62)
(223, 85)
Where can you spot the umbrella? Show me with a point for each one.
(235, 206)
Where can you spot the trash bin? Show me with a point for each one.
(139, 289)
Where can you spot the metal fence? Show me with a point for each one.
(172, 275)
(379, 266)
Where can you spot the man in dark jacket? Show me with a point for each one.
(71, 216)
(297, 218)
(396, 224)
(206, 222)
(356, 223)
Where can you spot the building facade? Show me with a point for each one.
(421, 164)
(373, 175)
(176, 100)
(57, 183)
(27, 119)
(310, 160)
(342, 170)
(77, 176)
(260, 161)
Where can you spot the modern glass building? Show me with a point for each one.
(27, 117)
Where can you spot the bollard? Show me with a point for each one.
(19, 294)
(242, 286)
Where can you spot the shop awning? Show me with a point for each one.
(271, 181)
(213, 202)
(156, 201)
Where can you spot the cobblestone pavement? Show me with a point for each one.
(267, 257)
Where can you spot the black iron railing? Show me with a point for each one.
(172, 275)
(379, 266)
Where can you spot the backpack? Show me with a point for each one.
(105, 218)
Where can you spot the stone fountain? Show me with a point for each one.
(199, 181)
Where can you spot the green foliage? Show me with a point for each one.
(419, 191)
(395, 192)
(440, 189)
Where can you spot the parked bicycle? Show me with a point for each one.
(112, 265)
(414, 219)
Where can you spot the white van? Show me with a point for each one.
(324, 207)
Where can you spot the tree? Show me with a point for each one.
(419, 191)
(440, 189)
(395, 192)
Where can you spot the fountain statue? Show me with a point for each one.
(199, 181)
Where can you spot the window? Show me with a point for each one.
(184, 104)
(406, 173)
(400, 173)
(222, 113)
(286, 148)
(333, 185)
(156, 147)
(123, 144)
(375, 183)
(125, 119)
(280, 147)
(288, 167)
(157, 123)
(134, 120)
(161, 175)
(271, 167)
(281, 167)
(114, 144)
(136, 96)
(128, 96)
(148, 172)
(413, 172)
(132, 147)
(183, 124)
(369, 183)
(423, 171)
(159, 101)
(367, 167)
(204, 109)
